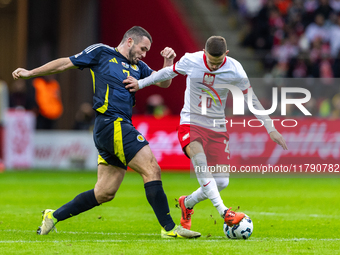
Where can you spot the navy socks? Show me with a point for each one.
(81, 203)
(159, 203)
(87, 200)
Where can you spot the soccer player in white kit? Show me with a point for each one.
(204, 142)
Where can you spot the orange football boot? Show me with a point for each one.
(232, 218)
(186, 213)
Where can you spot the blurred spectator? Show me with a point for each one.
(317, 29)
(22, 96)
(312, 106)
(335, 4)
(279, 71)
(249, 8)
(155, 106)
(334, 35)
(295, 18)
(299, 67)
(287, 50)
(324, 9)
(326, 71)
(336, 107)
(295, 11)
(283, 6)
(84, 117)
(336, 67)
(315, 52)
(48, 98)
(325, 108)
(309, 6)
(261, 36)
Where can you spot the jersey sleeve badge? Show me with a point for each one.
(140, 138)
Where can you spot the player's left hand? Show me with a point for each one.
(168, 53)
(278, 138)
(132, 84)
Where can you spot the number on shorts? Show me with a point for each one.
(227, 146)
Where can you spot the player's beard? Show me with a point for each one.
(132, 55)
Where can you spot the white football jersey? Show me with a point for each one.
(201, 82)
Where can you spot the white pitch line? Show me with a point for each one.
(154, 234)
(169, 240)
(213, 239)
(85, 232)
(294, 214)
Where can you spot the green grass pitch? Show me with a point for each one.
(290, 215)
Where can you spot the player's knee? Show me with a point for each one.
(222, 183)
(105, 196)
(152, 171)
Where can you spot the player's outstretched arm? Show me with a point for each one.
(56, 66)
(278, 138)
(162, 78)
(155, 78)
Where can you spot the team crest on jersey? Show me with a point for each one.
(77, 55)
(135, 67)
(208, 79)
(140, 138)
(125, 65)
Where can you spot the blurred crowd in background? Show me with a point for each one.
(291, 38)
(43, 97)
(296, 39)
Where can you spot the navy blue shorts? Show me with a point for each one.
(117, 141)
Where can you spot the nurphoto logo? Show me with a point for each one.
(238, 100)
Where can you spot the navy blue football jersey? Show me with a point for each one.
(109, 68)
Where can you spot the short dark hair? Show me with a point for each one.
(136, 33)
(216, 46)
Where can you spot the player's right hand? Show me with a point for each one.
(168, 53)
(21, 73)
(278, 138)
(131, 84)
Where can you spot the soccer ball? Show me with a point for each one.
(243, 230)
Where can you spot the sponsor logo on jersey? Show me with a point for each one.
(140, 138)
(125, 65)
(135, 67)
(77, 55)
(208, 79)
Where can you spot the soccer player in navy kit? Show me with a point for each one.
(119, 144)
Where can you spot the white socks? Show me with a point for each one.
(210, 186)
